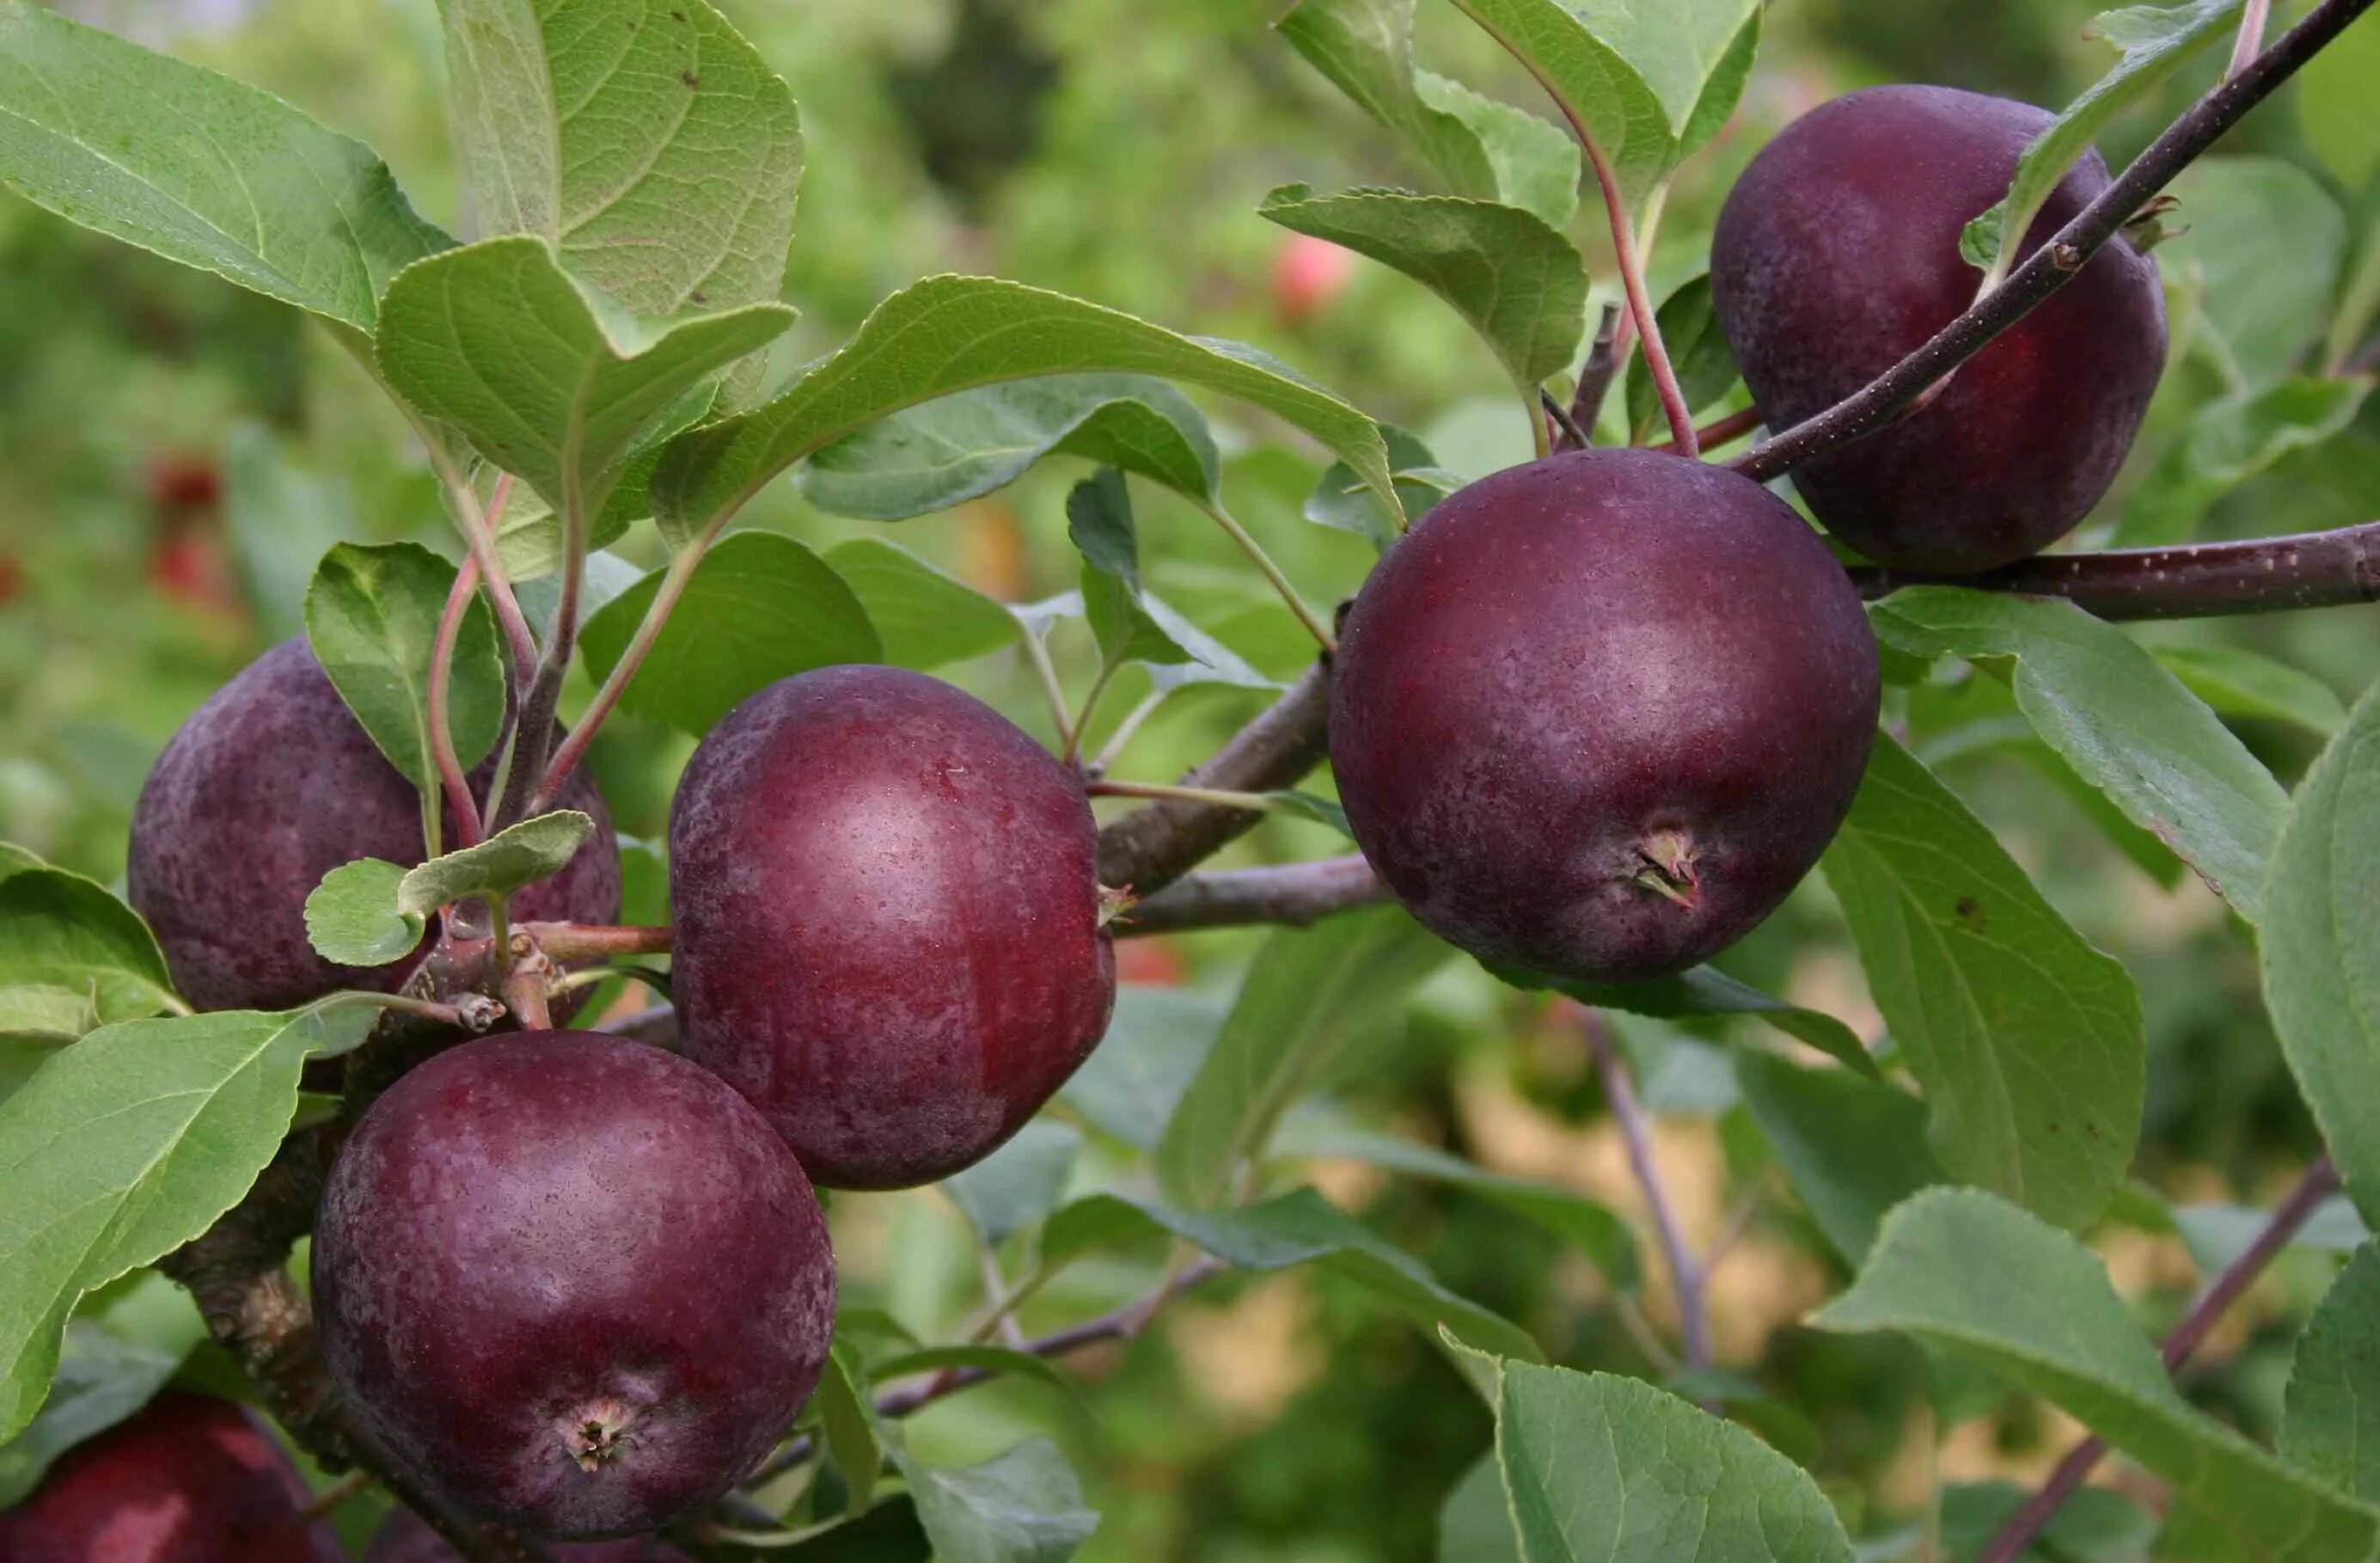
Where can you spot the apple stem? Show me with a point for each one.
(1126, 731)
(442, 733)
(1720, 431)
(2059, 259)
(1272, 572)
(2321, 1182)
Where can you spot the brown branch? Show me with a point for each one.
(566, 941)
(2315, 569)
(1152, 847)
(2321, 1182)
(1636, 1136)
(2056, 261)
(1296, 894)
(1594, 381)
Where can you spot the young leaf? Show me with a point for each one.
(1481, 148)
(547, 378)
(1517, 281)
(926, 618)
(371, 617)
(2227, 442)
(2125, 725)
(1851, 1148)
(1308, 994)
(123, 1147)
(1298, 1228)
(2028, 1042)
(66, 936)
(1961, 1269)
(352, 917)
(1707, 991)
(200, 168)
(648, 142)
(1021, 1507)
(1339, 499)
(1099, 523)
(1580, 1223)
(517, 855)
(2245, 685)
(848, 1422)
(2150, 44)
(759, 608)
(2330, 1427)
(1018, 1184)
(1704, 362)
(961, 447)
(1605, 1469)
(949, 333)
(2320, 948)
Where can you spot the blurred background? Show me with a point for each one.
(174, 454)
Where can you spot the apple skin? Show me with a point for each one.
(888, 936)
(1576, 669)
(406, 1539)
(1309, 274)
(1837, 255)
(268, 786)
(187, 1480)
(572, 1281)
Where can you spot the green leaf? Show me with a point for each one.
(283, 518)
(961, 447)
(529, 540)
(2320, 948)
(1706, 990)
(1099, 523)
(1481, 148)
(1963, 1270)
(2330, 1427)
(1339, 499)
(2264, 246)
(1515, 279)
(198, 168)
(1019, 1184)
(1649, 84)
(2227, 442)
(2150, 44)
(1605, 1469)
(1308, 995)
(847, 1421)
(1852, 1148)
(1021, 1507)
(949, 333)
(371, 617)
(65, 933)
(2247, 684)
(2028, 1042)
(1475, 1524)
(1307, 806)
(1698, 353)
(2125, 725)
(2219, 1234)
(123, 1147)
(927, 619)
(2334, 105)
(110, 1366)
(646, 139)
(352, 918)
(547, 378)
(1580, 1223)
(759, 608)
(33, 1015)
(1298, 1228)
(1159, 1037)
(2093, 1525)
(515, 856)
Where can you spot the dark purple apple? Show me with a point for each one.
(188, 1480)
(1837, 253)
(573, 1281)
(268, 786)
(1596, 716)
(888, 930)
(405, 1539)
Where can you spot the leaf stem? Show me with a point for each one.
(1272, 572)
(1036, 655)
(1126, 731)
(2320, 1181)
(1080, 728)
(1636, 1133)
(675, 582)
(2251, 42)
(442, 733)
(2056, 261)
(1217, 797)
(478, 528)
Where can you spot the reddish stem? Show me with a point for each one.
(2251, 42)
(441, 736)
(1640, 302)
(1720, 431)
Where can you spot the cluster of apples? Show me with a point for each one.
(1595, 715)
